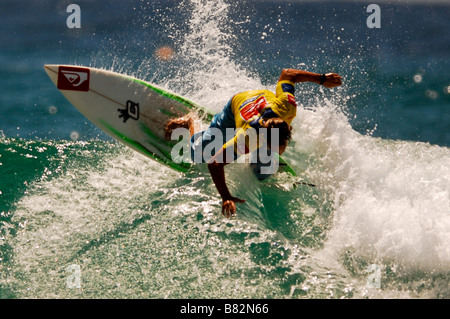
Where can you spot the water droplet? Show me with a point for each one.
(431, 94)
(74, 135)
(447, 89)
(52, 109)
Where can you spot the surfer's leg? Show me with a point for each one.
(219, 124)
(224, 119)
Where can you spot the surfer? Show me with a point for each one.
(257, 110)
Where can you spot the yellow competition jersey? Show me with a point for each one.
(251, 107)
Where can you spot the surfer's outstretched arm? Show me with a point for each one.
(217, 171)
(328, 80)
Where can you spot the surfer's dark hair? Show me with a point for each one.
(284, 130)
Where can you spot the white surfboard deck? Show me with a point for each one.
(130, 110)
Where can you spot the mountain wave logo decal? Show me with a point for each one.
(73, 79)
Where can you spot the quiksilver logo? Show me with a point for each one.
(76, 78)
(73, 78)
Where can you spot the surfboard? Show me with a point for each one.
(130, 110)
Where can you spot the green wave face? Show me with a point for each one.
(92, 204)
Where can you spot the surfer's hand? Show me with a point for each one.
(332, 80)
(229, 207)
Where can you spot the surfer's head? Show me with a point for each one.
(283, 130)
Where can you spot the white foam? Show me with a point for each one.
(391, 198)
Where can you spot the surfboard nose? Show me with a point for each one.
(52, 72)
(51, 67)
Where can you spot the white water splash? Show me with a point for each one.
(391, 198)
(207, 74)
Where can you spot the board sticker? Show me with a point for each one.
(73, 78)
(131, 111)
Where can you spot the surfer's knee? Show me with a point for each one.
(182, 122)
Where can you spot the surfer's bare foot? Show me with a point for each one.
(182, 122)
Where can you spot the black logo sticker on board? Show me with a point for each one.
(131, 111)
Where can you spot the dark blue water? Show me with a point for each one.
(377, 148)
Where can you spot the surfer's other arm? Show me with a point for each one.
(328, 80)
(217, 171)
